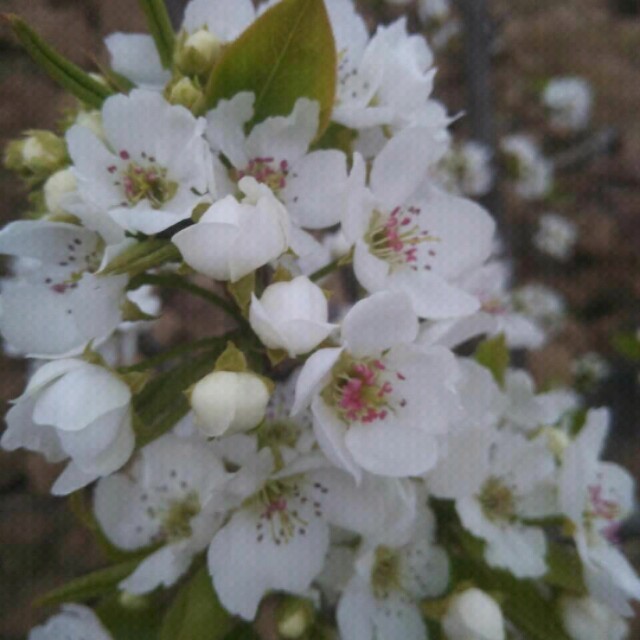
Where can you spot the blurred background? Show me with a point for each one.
(495, 60)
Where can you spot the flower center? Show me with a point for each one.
(385, 574)
(497, 500)
(265, 171)
(601, 508)
(395, 237)
(145, 180)
(360, 390)
(176, 518)
(286, 508)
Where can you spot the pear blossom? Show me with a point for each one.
(497, 314)
(530, 172)
(312, 186)
(291, 316)
(277, 536)
(235, 237)
(74, 622)
(473, 615)
(153, 167)
(467, 169)
(77, 410)
(556, 236)
(587, 619)
(378, 401)
(596, 497)
(569, 101)
(164, 498)
(57, 304)
(228, 402)
(389, 83)
(543, 305)
(590, 369)
(417, 240)
(382, 600)
(57, 186)
(495, 491)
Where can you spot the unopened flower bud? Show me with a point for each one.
(295, 617)
(291, 316)
(587, 619)
(198, 52)
(42, 152)
(229, 402)
(56, 188)
(185, 93)
(473, 615)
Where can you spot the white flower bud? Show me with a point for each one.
(56, 187)
(295, 616)
(587, 619)
(199, 51)
(291, 316)
(185, 93)
(473, 615)
(229, 402)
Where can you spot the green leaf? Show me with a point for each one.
(162, 403)
(90, 586)
(141, 257)
(231, 359)
(627, 345)
(68, 75)
(159, 24)
(565, 568)
(141, 622)
(242, 632)
(196, 613)
(241, 291)
(494, 355)
(286, 54)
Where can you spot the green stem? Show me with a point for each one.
(176, 352)
(159, 24)
(179, 282)
(326, 270)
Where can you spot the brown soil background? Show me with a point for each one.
(42, 545)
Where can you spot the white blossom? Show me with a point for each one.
(74, 622)
(413, 238)
(235, 237)
(587, 619)
(165, 499)
(291, 316)
(570, 102)
(73, 409)
(556, 236)
(57, 304)
(153, 168)
(530, 172)
(370, 397)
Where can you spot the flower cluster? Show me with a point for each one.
(346, 457)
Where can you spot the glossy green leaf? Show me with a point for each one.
(64, 72)
(160, 28)
(241, 291)
(139, 621)
(141, 257)
(90, 586)
(286, 54)
(494, 355)
(565, 568)
(196, 613)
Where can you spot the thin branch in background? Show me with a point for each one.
(176, 11)
(478, 36)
